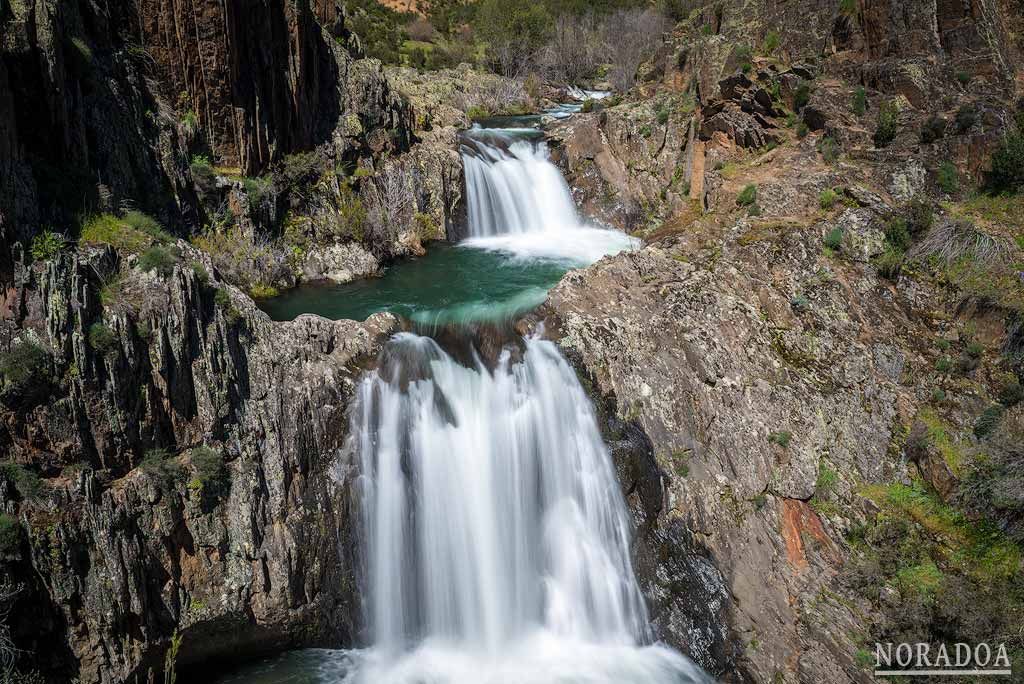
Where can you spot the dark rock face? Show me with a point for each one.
(121, 557)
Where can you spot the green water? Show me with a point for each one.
(451, 284)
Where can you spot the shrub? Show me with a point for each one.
(966, 117)
(159, 258)
(782, 438)
(933, 129)
(944, 364)
(885, 132)
(202, 275)
(920, 215)
(948, 178)
(202, 171)
(212, 478)
(771, 42)
(897, 234)
(829, 149)
(477, 112)
(101, 338)
(30, 487)
(860, 102)
(988, 421)
(662, 113)
(10, 535)
(889, 263)
(262, 291)
(25, 366)
(1011, 394)
(222, 298)
(963, 77)
(259, 189)
(159, 466)
(747, 196)
(133, 233)
(802, 95)
(46, 245)
(834, 238)
(827, 199)
(802, 130)
(799, 303)
(1007, 173)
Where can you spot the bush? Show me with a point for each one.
(133, 233)
(747, 196)
(860, 102)
(933, 129)
(829, 149)
(46, 245)
(885, 132)
(944, 364)
(802, 95)
(966, 117)
(802, 130)
(159, 466)
(897, 234)
(10, 535)
(202, 171)
(1011, 394)
(834, 238)
(782, 438)
(417, 58)
(101, 338)
(662, 113)
(963, 77)
(25, 367)
(948, 178)
(211, 479)
(159, 258)
(920, 215)
(259, 189)
(202, 275)
(771, 42)
(1007, 173)
(30, 487)
(827, 200)
(988, 420)
(889, 263)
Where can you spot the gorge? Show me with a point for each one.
(508, 340)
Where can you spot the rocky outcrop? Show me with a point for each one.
(129, 544)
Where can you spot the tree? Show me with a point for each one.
(631, 36)
(514, 31)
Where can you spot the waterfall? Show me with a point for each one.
(496, 535)
(519, 203)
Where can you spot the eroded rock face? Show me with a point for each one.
(711, 361)
(119, 557)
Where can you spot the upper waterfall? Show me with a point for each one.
(519, 203)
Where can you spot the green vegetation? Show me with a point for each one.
(802, 129)
(771, 42)
(1007, 174)
(132, 233)
(46, 245)
(10, 535)
(30, 487)
(860, 102)
(782, 438)
(944, 364)
(966, 117)
(889, 263)
(834, 238)
(24, 371)
(747, 196)
(948, 178)
(920, 215)
(826, 200)
(102, 338)
(160, 258)
(829, 149)
(933, 129)
(211, 478)
(897, 234)
(988, 420)
(161, 468)
(802, 95)
(885, 132)
(926, 549)
(379, 28)
(963, 77)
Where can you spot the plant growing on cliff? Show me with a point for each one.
(885, 131)
(1007, 174)
(782, 438)
(802, 96)
(829, 149)
(211, 478)
(933, 129)
(919, 215)
(834, 238)
(132, 233)
(889, 263)
(772, 40)
(160, 258)
(30, 487)
(826, 200)
(24, 372)
(161, 468)
(10, 535)
(747, 196)
(966, 117)
(948, 178)
(988, 420)
(46, 245)
(860, 101)
(101, 338)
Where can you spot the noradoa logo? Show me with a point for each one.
(895, 660)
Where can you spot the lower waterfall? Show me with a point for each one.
(496, 536)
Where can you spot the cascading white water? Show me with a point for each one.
(518, 202)
(497, 539)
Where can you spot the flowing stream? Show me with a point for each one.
(496, 541)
